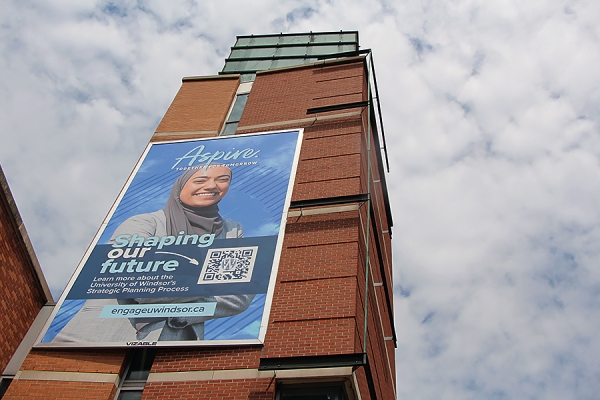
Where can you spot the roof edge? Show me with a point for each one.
(6, 196)
(296, 34)
(209, 77)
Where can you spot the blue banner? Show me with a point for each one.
(188, 253)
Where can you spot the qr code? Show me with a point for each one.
(229, 265)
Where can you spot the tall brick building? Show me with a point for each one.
(330, 332)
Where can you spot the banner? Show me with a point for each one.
(188, 254)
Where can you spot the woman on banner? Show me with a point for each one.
(192, 208)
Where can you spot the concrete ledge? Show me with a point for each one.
(156, 377)
(324, 210)
(302, 121)
(315, 372)
(68, 376)
(208, 375)
(340, 115)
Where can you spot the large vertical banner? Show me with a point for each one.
(189, 252)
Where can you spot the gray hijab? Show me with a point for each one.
(190, 220)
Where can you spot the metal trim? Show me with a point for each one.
(209, 77)
(301, 362)
(306, 44)
(356, 198)
(352, 53)
(299, 34)
(336, 107)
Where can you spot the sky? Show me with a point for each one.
(492, 118)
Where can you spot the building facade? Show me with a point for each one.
(22, 283)
(330, 331)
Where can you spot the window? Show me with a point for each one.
(311, 392)
(235, 113)
(4, 384)
(136, 375)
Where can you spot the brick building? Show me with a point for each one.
(330, 329)
(21, 282)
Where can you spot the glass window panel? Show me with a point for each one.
(321, 50)
(141, 364)
(254, 65)
(242, 42)
(230, 128)
(329, 38)
(281, 63)
(335, 37)
(238, 108)
(349, 37)
(296, 39)
(269, 40)
(242, 65)
(262, 52)
(313, 393)
(256, 41)
(347, 47)
(4, 384)
(232, 66)
(130, 395)
(293, 51)
(290, 62)
(251, 53)
(247, 78)
(238, 53)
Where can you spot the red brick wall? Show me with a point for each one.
(230, 389)
(314, 313)
(99, 361)
(379, 352)
(52, 390)
(333, 162)
(286, 94)
(200, 105)
(20, 293)
(107, 361)
(207, 359)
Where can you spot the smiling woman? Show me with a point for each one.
(206, 187)
(192, 208)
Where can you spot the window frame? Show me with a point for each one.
(318, 388)
(242, 90)
(136, 385)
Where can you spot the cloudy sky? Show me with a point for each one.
(492, 114)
